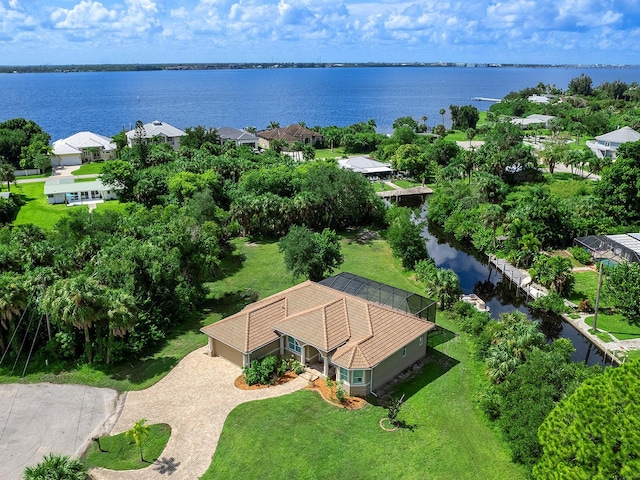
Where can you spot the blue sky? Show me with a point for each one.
(34, 32)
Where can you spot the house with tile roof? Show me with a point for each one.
(159, 132)
(607, 145)
(290, 134)
(81, 148)
(362, 343)
(238, 137)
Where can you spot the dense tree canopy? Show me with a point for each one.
(311, 255)
(18, 134)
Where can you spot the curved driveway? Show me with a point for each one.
(194, 399)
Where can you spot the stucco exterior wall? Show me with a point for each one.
(223, 350)
(394, 364)
(271, 348)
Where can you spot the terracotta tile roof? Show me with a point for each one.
(291, 133)
(363, 332)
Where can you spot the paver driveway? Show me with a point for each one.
(194, 399)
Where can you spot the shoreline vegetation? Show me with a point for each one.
(124, 67)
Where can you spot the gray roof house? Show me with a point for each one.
(366, 166)
(160, 131)
(607, 145)
(533, 119)
(238, 137)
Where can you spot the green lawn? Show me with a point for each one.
(47, 174)
(381, 187)
(616, 325)
(563, 186)
(327, 153)
(37, 210)
(405, 183)
(121, 453)
(89, 168)
(301, 436)
(585, 286)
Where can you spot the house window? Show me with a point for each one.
(344, 375)
(358, 377)
(294, 346)
(421, 340)
(404, 351)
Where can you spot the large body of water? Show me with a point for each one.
(107, 102)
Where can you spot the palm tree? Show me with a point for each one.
(7, 173)
(120, 312)
(443, 284)
(470, 133)
(139, 432)
(13, 301)
(491, 217)
(251, 130)
(57, 467)
(442, 112)
(273, 125)
(77, 301)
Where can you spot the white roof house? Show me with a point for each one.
(366, 166)
(67, 190)
(607, 145)
(161, 131)
(533, 119)
(82, 147)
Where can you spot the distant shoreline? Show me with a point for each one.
(271, 65)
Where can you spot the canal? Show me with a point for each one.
(501, 296)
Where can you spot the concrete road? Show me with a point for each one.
(42, 418)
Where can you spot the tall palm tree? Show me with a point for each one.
(491, 217)
(76, 301)
(7, 173)
(442, 112)
(273, 125)
(13, 301)
(57, 467)
(443, 284)
(120, 311)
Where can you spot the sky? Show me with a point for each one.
(54, 32)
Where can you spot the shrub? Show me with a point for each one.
(263, 372)
(585, 306)
(552, 303)
(404, 237)
(340, 394)
(295, 366)
(581, 255)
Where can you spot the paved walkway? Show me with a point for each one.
(194, 399)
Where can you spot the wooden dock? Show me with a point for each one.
(405, 192)
(520, 278)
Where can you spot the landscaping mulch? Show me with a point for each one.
(329, 395)
(242, 385)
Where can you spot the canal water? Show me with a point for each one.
(499, 294)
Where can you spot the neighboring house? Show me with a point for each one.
(366, 166)
(540, 98)
(607, 145)
(238, 137)
(612, 249)
(160, 132)
(81, 148)
(362, 343)
(291, 134)
(66, 190)
(534, 119)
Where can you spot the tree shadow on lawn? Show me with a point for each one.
(142, 370)
(411, 381)
(439, 336)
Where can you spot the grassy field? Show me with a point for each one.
(302, 436)
(37, 210)
(327, 153)
(565, 185)
(405, 183)
(121, 453)
(381, 187)
(616, 325)
(89, 168)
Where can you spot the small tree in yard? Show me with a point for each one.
(394, 409)
(309, 254)
(139, 432)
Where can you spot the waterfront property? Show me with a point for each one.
(363, 343)
(607, 145)
(67, 191)
(366, 166)
(80, 148)
(158, 132)
(237, 137)
(534, 119)
(290, 134)
(612, 249)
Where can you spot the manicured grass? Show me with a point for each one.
(616, 325)
(47, 174)
(585, 286)
(301, 436)
(89, 168)
(381, 187)
(327, 153)
(37, 210)
(113, 205)
(405, 183)
(121, 453)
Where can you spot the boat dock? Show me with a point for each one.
(486, 99)
(520, 278)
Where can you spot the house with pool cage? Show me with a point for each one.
(612, 249)
(346, 327)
